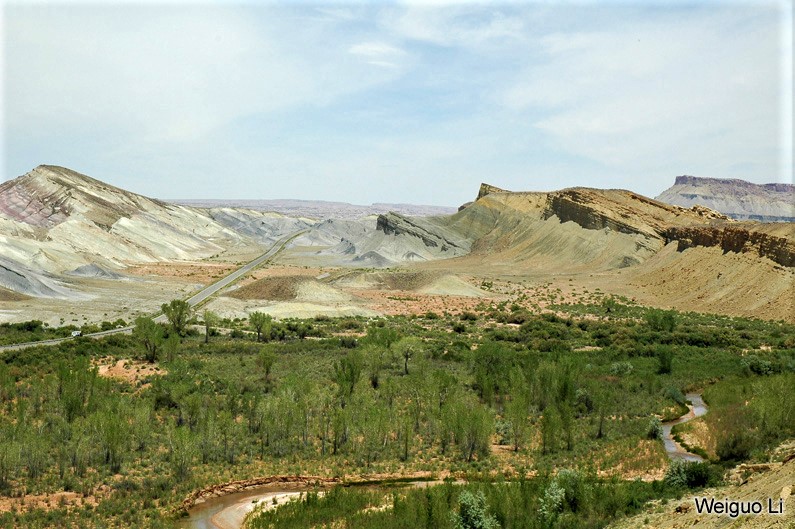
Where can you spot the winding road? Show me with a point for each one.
(194, 300)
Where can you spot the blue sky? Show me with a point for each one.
(397, 102)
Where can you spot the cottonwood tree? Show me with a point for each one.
(550, 427)
(381, 336)
(262, 324)
(170, 346)
(346, 374)
(151, 336)
(211, 319)
(407, 348)
(265, 361)
(182, 451)
(10, 459)
(178, 313)
(517, 409)
(473, 430)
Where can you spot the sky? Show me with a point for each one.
(414, 102)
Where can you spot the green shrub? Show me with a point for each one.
(655, 429)
(621, 368)
(473, 512)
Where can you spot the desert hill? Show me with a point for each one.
(662, 255)
(58, 226)
(736, 198)
(55, 222)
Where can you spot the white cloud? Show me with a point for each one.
(379, 54)
(375, 49)
(166, 74)
(687, 94)
(468, 26)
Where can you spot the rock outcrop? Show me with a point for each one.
(433, 236)
(487, 189)
(737, 239)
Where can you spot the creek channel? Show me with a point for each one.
(696, 409)
(229, 511)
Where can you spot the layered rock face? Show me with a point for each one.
(736, 198)
(658, 223)
(737, 239)
(432, 235)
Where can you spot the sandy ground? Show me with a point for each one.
(197, 272)
(133, 372)
(107, 300)
(72, 500)
(451, 285)
(771, 485)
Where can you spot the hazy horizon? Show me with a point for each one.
(400, 102)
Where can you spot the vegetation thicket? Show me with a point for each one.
(509, 395)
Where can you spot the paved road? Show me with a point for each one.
(240, 272)
(192, 301)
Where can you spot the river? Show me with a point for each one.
(674, 450)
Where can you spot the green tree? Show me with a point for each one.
(470, 425)
(182, 451)
(112, 433)
(661, 320)
(262, 324)
(151, 336)
(381, 336)
(178, 312)
(10, 460)
(407, 348)
(265, 361)
(517, 409)
(347, 372)
(171, 346)
(491, 364)
(665, 359)
(211, 319)
(550, 428)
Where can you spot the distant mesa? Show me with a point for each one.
(738, 199)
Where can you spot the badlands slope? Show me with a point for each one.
(54, 221)
(73, 245)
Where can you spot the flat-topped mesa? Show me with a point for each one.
(738, 199)
(736, 182)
